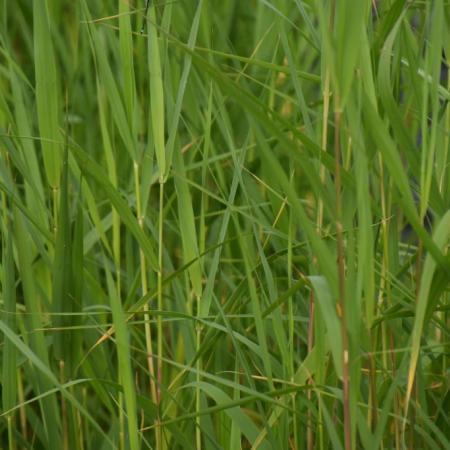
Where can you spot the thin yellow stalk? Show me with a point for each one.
(144, 287)
(325, 113)
(159, 325)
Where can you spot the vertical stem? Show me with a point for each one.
(79, 424)
(22, 411)
(198, 431)
(310, 432)
(202, 248)
(319, 223)
(64, 409)
(373, 403)
(116, 253)
(144, 287)
(412, 412)
(121, 421)
(387, 338)
(326, 109)
(11, 445)
(159, 318)
(291, 320)
(10, 416)
(341, 279)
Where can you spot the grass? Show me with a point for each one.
(227, 228)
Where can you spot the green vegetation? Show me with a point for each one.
(226, 228)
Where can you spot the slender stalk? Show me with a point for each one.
(319, 225)
(291, 333)
(159, 324)
(144, 287)
(121, 421)
(202, 247)
(21, 399)
(341, 279)
(64, 409)
(416, 443)
(324, 141)
(147, 328)
(117, 253)
(310, 428)
(387, 338)
(79, 427)
(198, 367)
(373, 404)
(11, 444)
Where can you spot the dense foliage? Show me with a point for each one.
(224, 224)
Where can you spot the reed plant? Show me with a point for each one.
(224, 224)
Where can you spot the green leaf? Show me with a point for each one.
(47, 92)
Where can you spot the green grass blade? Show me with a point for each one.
(47, 92)
(441, 237)
(9, 369)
